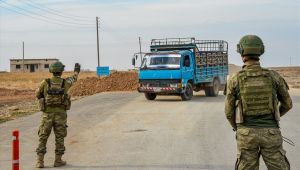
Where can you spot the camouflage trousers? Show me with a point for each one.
(57, 121)
(267, 142)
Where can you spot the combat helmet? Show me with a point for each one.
(56, 67)
(250, 45)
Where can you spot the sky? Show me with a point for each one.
(66, 29)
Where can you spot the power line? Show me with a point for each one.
(34, 15)
(48, 10)
(48, 18)
(41, 19)
(69, 15)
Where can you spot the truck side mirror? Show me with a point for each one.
(133, 61)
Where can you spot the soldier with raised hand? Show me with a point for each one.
(54, 102)
(256, 98)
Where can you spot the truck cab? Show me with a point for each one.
(178, 67)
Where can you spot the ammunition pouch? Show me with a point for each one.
(42, 104)
(238, 112)
(54, 100)
(276, 111)
(56, 91)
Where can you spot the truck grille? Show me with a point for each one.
(158, 83)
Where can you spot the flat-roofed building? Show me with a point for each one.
(31, 65)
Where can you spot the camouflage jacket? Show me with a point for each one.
(278, 83)
(41, 92)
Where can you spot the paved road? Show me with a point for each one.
(124, 131)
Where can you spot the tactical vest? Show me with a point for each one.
(255, 87)
(55, 93)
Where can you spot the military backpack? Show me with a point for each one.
(256, 92)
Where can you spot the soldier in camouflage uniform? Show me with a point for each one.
(256, 99)
(54, 101)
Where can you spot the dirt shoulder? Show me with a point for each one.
(11, 96)
(17, 90)
(14, 103)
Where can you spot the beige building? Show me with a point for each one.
(31, 65)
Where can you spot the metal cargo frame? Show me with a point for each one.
(211, 59)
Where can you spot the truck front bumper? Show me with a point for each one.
(160, 90)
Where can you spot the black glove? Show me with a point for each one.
(77, 67)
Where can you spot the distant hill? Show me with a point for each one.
(290, 74)
(233, 68)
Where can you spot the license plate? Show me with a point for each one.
(157, 89)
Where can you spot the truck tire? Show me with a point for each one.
(150, 96)
(188, 93)
(213, 90)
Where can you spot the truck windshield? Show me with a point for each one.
(167, 61)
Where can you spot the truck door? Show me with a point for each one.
(187, 69)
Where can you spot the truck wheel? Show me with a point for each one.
(150, 96)
(188, 93)
(213, 91)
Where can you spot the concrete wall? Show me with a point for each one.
(30, 65)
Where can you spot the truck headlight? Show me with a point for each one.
(179, 85)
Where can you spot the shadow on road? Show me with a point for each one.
(175, 166)
(196, 98)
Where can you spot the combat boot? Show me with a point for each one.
(58, 161)
(40, 161)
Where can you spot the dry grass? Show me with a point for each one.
(30, 81)
(20, 109)
(17, 92)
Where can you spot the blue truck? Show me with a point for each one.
(179, 66)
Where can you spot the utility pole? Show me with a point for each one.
(97, 23)
(23, 58)
(140, 48)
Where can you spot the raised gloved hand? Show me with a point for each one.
(77, 67)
